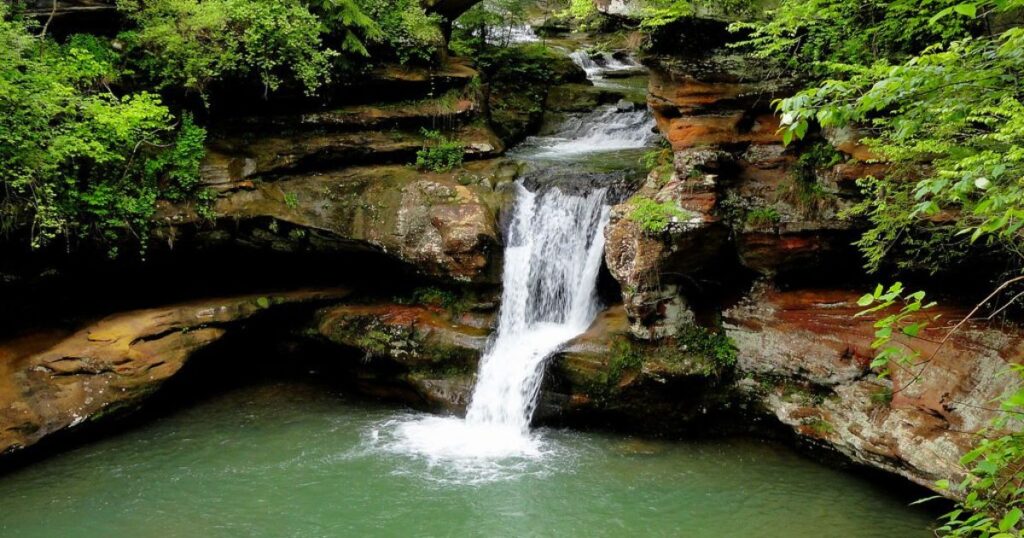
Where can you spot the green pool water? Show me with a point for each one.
(288, 459)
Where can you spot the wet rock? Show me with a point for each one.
(579, 98)
(664, 386)
(58, 381)
(619, 183)
(232, 159)
(653, 267)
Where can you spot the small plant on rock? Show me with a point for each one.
(763, 217)
(439, 153)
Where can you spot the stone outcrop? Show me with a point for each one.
(807, 358)
(743, 201)
(54, 381)
(652, 266)
(431, 221)
(605, 376)
(431, 351)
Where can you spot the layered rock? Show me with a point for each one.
(431, 221)
(54, 381)
(807, 358)
(652, 266)
(604, 375)
(746, 199)
(338, 181)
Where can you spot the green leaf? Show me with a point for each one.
(263, 302)
(1010, 519)
(966, 9)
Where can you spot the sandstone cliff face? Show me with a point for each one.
(53, 381)
(807, 359)
(339, 180)
(748, 200)
(803, 359)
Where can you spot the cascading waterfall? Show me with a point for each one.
(595, 65)
(554, 250)
(604, 129)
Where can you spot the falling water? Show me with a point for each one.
(605, 129)
(513, 34)
(598, 64)
(553, 252)
(552, 257)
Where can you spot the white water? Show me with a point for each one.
(553, 252)
(513, 34)
(596, 65)
(605, 129)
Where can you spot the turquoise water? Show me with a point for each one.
(287, 459)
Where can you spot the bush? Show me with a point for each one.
(406, 32)
(715, 346)
(439, 153)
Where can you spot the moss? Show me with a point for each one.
(713, 345)
(696, 350)
(654, 217)
(375, 341)
(455, 302)
(625, 355)
(820, 426)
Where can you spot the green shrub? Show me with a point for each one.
(191, 43)
(291, 200)
(439, 153)
(653, 217)
(406, 32)
(79, 160)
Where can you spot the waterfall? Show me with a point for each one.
(605, 129)
(596, 64)
(553, 253)
(586, 62)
